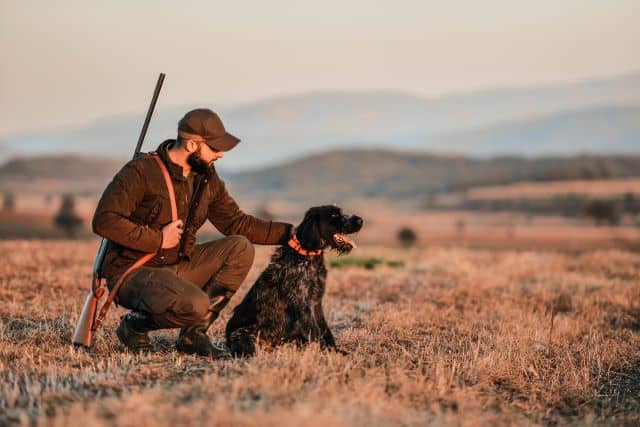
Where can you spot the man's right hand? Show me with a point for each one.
(171, 234)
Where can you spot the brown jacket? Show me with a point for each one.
(135, 206)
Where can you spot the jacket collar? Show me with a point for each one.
(175, 170)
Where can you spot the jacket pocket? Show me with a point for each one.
(154, 212)
(149, 212)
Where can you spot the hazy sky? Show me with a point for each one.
(67, 62)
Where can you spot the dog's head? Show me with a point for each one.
(326, 226)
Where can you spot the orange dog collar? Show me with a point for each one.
(295, 244)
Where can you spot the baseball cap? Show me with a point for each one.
(204, 125)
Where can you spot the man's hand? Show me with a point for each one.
(171, 234)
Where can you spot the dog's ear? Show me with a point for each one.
(308, 232)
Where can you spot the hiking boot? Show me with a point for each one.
(219, 297)
(133, 329)
(194, 339)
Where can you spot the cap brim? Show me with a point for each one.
(223, 143)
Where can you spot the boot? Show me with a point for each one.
(194, 339)
(133, 329)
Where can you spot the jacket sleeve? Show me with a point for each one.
(229, 219)
(118, 202)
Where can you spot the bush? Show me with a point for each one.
(603, 211)
(368, 263)
(407, 237)
(8, 202)
(67, 219)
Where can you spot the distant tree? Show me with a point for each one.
(8, 202)
(407, 237)
(631, 204)
(603, 211)
(67, 219)
(461, 226)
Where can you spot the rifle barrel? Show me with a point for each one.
(147, 119)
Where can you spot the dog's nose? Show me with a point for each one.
(357, 221)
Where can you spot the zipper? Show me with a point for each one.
(195, 201)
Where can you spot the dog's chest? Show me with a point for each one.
(304, 281)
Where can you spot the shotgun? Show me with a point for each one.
(86, 327)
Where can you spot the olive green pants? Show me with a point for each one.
(173, 295)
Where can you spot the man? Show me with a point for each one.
(185, 285)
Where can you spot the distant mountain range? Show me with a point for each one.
(594, 116)
(598, 130)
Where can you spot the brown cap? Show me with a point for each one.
(205, 125)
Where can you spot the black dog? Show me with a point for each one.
(285, 303)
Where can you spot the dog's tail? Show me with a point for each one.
(241, 342)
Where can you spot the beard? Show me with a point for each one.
(198, 165)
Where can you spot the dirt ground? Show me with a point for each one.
(443, 336)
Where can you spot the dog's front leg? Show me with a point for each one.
(303, 327)
(326, 337)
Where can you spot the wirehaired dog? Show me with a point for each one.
(285, 303)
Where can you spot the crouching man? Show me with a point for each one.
(185, 285)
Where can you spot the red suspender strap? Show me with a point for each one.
(145, 258)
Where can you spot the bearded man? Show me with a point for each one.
(186, 284)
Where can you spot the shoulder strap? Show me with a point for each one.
(140, 262)
(169, 183)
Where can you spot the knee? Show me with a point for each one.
(242, 249)
(201, 305)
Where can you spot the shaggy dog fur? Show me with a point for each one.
(285, 303)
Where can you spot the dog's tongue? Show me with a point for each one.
(344, 239)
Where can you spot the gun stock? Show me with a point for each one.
(83, 335)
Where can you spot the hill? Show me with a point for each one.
(342, 175)
(337, 175)
(58, 174)
(287, 127)
(60, 167)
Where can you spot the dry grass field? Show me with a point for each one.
(451, 336)
(591, 188)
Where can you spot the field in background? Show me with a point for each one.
(592, 188)
(449, 336)
(34, 212)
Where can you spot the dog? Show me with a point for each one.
(285, 303)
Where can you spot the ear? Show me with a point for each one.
(308, 232)
(191, 146)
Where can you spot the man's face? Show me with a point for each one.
(203, 157)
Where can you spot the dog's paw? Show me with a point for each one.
(338, 350)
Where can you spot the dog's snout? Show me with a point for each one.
(357, 222)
